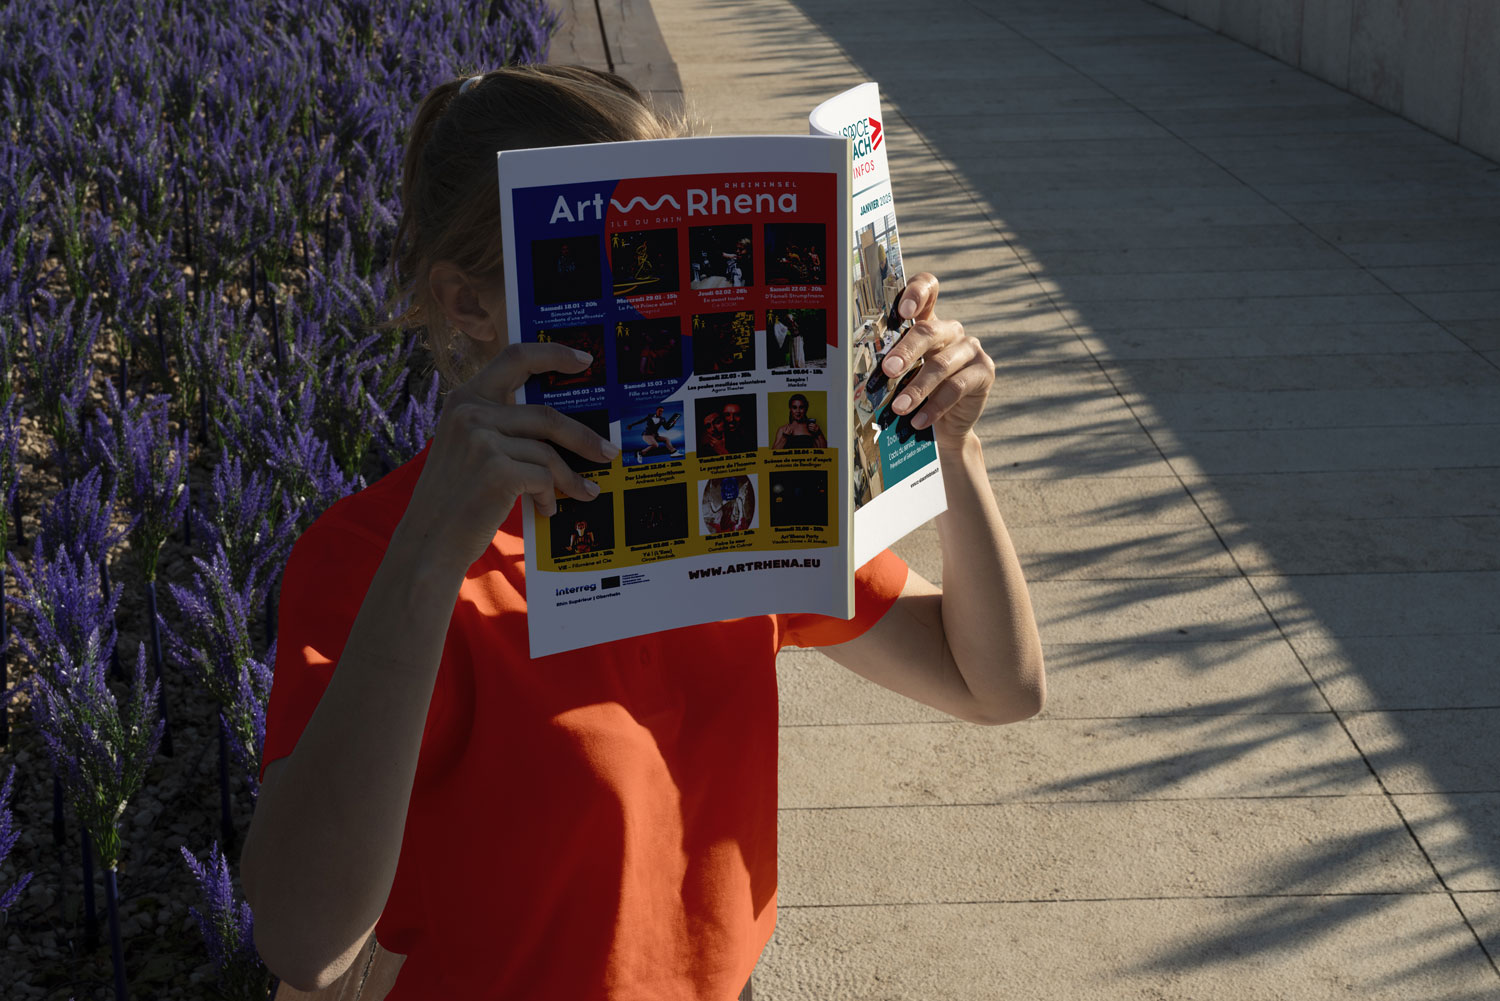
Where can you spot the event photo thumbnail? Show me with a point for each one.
(723, 342)
(728, 505)
(796, 252)
(581, 527)
(796, 338)
(656, 514)
(651, 432)
(648, 349)
(566, 269)
(721, 257)
(726, 424)
(644, 261)
(799, 497)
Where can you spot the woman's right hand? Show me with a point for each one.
(488, 451)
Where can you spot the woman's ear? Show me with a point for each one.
(462, 304)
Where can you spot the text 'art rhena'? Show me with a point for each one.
(700, 202)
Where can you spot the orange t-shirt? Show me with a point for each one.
(594, 824)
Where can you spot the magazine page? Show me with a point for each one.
(898, 485)
(709, 279)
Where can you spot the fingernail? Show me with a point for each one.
(907, 309)
(609, 448)
(894, 364)
(920, 420)
(902, 404)
(583, 357)
(591, 488)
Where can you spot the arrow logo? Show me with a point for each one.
(875, 139)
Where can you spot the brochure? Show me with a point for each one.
(898, 484)
(736, 295)
(669, 261)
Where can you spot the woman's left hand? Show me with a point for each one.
(950, 390)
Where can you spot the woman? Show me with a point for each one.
(800, 430)
(599, 823)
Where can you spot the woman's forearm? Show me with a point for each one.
(320, 857)
(987, 613)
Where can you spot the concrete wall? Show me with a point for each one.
(1436, 62)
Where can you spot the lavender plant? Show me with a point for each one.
(8, 836)
(58, 371)
(228, 929)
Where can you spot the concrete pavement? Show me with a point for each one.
(1246, 435)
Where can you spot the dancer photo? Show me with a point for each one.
(654, 422)
(801, 429)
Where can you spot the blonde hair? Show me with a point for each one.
(450, 204)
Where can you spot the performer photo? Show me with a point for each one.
(800, 430)
(581, 540)
(654, 434)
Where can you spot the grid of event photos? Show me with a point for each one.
(740, 316)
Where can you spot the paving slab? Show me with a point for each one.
(1119, 551)
(1149, 611)
(1439, 278)
(1298, 309)
(1172, 286)
(1314, 948)
(1388, 604)
(1365, 546)
(1460, 832)
(1307, 450)
(1482, 911)
(1063, 760)
(1403, 672)
(1062, 456)
(1431, 750)
(1448, 370)
(1351, 496)
(1272, 340)
(1084, 680)
(1097, 850)
(1279, 409)
(1077, 501)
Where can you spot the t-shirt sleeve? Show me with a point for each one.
(877, 585)
(322, 588)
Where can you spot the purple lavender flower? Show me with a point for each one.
(408, 433)
(149, 463)
(60, 345)
(102, 751)
(228, 927)
(8, 838)
(79, 516)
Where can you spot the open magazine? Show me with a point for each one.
(715, 283)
